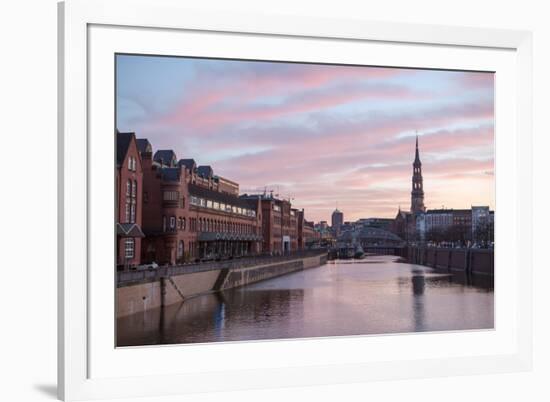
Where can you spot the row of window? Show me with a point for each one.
(170, 195)
(220, 206)
(173, 223)
(206, 225)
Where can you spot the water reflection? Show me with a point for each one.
(418, 284)
(371, 296)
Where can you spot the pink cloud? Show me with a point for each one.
(248, 86)
(356, 160)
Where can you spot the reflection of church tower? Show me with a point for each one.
(417, 193)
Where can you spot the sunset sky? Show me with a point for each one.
(326, 136)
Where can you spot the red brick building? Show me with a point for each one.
(129, 181)
(280, 224)
(191, 214)
(310, 235)
(180, 212)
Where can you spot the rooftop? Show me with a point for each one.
(189, 164)
(144, 146)
(165, 156)
(123, 141)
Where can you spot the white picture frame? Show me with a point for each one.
(79, 378)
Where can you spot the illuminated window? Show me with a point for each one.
(129, 248)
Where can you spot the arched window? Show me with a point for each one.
(129, 188)
(182, 223)
(134, 189)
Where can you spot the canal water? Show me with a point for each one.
(375, 295)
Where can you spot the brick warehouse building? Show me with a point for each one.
(186, 216)
(280, 224)
(185, 212)
(129, 181)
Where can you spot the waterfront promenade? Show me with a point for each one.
(142, 290)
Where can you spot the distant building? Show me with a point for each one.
(457, 226)
(323, 233)
(417, 193)
(381, 223)
(446, 225)
(454, 225)
(404, 224)
(310, 236)
(337, 221)
(322, 226)
(482, 224)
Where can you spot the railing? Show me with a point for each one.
(150, 275)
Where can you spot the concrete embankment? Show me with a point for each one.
(469, 261)
(140, 291)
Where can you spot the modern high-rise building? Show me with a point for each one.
(337, 220)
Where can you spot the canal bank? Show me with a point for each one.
(145, 290)
(461, 260)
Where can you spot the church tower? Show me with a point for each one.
(417, 193)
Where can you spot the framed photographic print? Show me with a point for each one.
(245, 196)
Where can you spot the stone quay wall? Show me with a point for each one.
(140, 291)
(470, 261)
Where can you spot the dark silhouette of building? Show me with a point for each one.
(405, 221)
(417, 193)
(337, 221)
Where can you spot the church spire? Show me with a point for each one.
(417, 155)
(417, 193)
